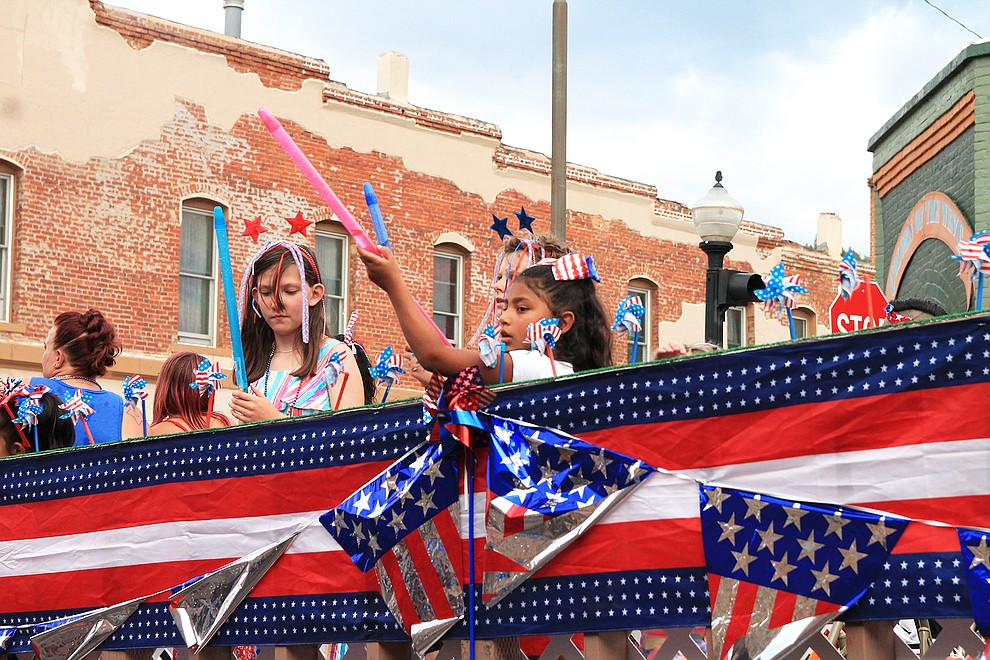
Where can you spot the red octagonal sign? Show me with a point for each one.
(863, 309)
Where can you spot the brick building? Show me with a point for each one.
(119, 132)
(931, 168)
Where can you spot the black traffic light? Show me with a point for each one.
(736, 288)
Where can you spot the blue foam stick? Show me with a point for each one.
(377, 221)
(979, 293)
(501, 363)
(635, 347)
(223, 249)
(790, 322)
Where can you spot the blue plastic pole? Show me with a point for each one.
(377, 221)
(979, 293)
(227, 272)
(790, 322)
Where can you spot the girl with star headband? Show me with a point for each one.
(294, 367)
(556, 292)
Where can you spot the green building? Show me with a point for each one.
(931, 183)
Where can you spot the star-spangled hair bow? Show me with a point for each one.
(780, 290)
(207, 377)
(77, 407)
(848, 279)
(573, 266)
(388, 367)
(894, 317)
(488, 345)
(627, 318)
(543, 335)
(974, 255)
(134, 390)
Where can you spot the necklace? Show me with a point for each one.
(88, 380)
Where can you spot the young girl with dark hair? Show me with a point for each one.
(561, 289)
(79, 348)
(17, 429)
(179, 407)
(293, 366)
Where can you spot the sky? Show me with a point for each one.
(782, 96)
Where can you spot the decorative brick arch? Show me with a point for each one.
(937, 217)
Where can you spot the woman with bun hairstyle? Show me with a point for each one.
(179, 407)
(79, 348)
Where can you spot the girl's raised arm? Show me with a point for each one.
(430, 349)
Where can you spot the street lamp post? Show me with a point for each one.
(716, 220)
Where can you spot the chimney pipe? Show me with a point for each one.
(232, 10)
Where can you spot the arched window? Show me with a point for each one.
(449, 265)
(805, 321)
(331, 255)
(197, 273)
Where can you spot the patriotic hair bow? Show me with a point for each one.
(77, 407)
(894, 317)
(573, 266)
(848, 279)
(627, 318)
(207, 377)
(780, 290)
(974, 255)
(134, 390)
(543, 335)
(389, 366)
(488, 345)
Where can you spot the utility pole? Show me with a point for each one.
(558, 156)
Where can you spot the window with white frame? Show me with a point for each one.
(197, 276)
(447, 294)
(804, 322)
(641, 350)
(735, 327)
(6, 229)
(331, 255)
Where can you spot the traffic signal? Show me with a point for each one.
(736, 288)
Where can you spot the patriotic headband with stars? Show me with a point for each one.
(207, 377)
(848, 279)
(388, 367)
(543, 334)
(573, 266)
(627, 317)
(298, 256)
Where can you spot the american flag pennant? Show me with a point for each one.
(404, 524)
(628, 316)
(848, 277)
(780, 291)
(976, 559)
(545, 489)
(780, 570)
(74, 637)
(973, 257)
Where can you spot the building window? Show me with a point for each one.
(6, 226)
(735, 327)
(197, 276)
(331, 255)
(804, 322)
(447, 276)
(641, 351)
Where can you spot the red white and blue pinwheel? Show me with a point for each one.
(134, 390)
(543, 335)
(333, 369)
(629, 316)
(848, 278)
(78, 410)
(387, 369)
(207, 377)
(974, 258)
(779, 292)
(488, 345)
(349, 331)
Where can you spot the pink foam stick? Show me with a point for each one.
(327, 194)
(322, 188)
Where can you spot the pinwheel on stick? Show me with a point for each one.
(974, 258)
(387, 369)
(543, 336)
(779, 293)
(628, 321)
(133, 393)
(206, 378)
(78, 410)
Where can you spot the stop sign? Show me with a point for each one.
(863, 309)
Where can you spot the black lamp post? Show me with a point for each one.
(717, 217)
